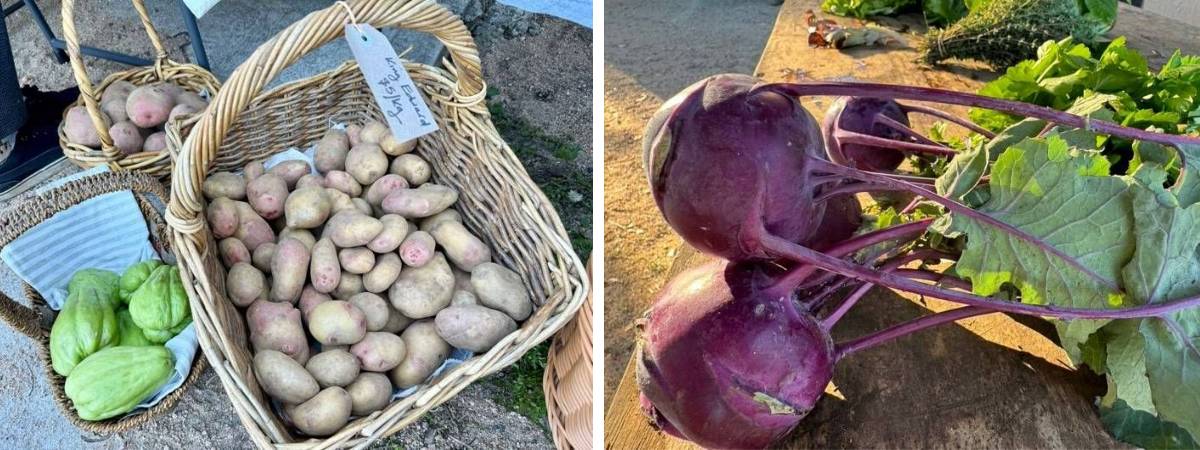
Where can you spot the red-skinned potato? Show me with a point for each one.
(222, 217)
(283, 378)
(245, 284)
(291, 171)
(79, 128)
(148, 106)
(233, 251)
(267, 194)
(276, 326)
(224, 184)
(155, 142)
(366, 163)
(331, 150)
(252, 229)
(337, 322)
(417, 249)
(289, 268)
(379, 351)
(126, 137)
(369, 392)
(325, 270)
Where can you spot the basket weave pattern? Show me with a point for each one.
(188, 76)
(498, 201)
(35, 320)
(568, 382)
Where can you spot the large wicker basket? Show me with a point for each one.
(498, 200)
(36, 319)
(188, 76)
(567, 382)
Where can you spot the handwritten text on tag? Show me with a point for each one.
(398, 97)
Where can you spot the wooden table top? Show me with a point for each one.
(989, 381)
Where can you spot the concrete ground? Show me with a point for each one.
(539, 69)
(653, 50)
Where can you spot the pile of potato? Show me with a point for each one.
(134, 115)
(365, 267)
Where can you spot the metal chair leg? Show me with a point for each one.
(194, 34)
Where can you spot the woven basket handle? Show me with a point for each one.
(33, 211)
(89, 93)
(273, 56)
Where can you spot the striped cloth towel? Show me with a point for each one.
(106, 232)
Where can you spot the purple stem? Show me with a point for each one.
(828, 322)
(854, 189)
(907, 328)
(819, 300)
(958, 208)
(911, 205)
(905, 130)
(913, 179)
(850, 137)
(878, 90)
(939, 278)
(796, 252)
(950, 118)
(892, 266)
(797, 275)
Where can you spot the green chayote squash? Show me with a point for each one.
(158, 337)
(131, 335)
(134, 276)
(85, 325)
(160, 303)
(103, 281)
(114, 380)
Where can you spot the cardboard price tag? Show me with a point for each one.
(398, 97)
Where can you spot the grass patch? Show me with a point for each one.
(530, 138)
(521, 385)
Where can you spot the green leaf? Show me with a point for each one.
(1104, 11)
(865, 8)
(1079, 224)
(1165, 267)
(944, 12)
(976, 4)
(968, 167)
(1126, 364)
(1173, 367)
(1143, 429)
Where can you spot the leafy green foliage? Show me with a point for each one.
(1143, 429)
(1065, 71)
(1076, 221)
(1097, 240)
(866, 8)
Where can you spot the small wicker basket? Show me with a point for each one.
(499, 202)
(35, 320)
(568, 381)
(188, 76)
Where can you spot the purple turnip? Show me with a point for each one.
(864, 116)
(722, 137)
(726, 371)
